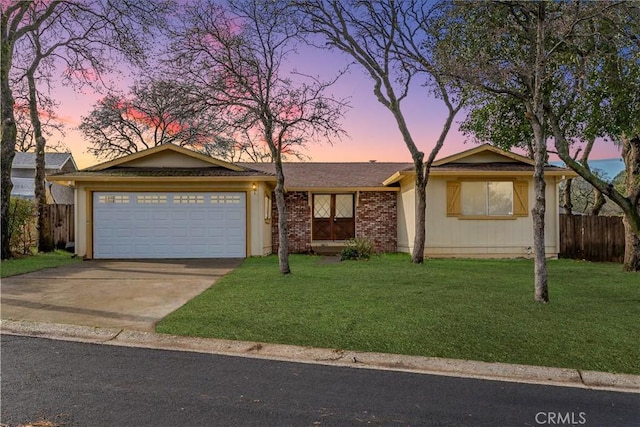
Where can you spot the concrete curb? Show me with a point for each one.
(415, 364)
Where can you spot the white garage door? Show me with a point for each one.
(169, 225)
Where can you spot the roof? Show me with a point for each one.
(303, 175)
(493, 166)
(484, 148)
(23, 187)
(122, 161)
(52, 161)
(161, 172)
(167, 161)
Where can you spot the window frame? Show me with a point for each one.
(520, 196)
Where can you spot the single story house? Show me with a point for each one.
(23, 173)
(170, 202)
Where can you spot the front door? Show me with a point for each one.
(333, 217)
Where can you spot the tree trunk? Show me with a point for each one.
(567, 203)
(537, 120)
(417, 256)
(9, 134)
(538, 212)
(598, 202)
(631, 248)
(283, 238)
(631, 156)
(45, 242)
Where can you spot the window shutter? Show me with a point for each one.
(453, 198)
(520, 198)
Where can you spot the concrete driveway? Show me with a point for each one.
(132, 294)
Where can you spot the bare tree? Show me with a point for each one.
(13, 27)
(52, 126)
(237, 57)
(392, 41)
(82, 36)
(157, 111)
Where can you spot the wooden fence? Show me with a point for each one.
(62, 224)
(594, 238)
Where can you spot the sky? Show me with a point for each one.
(372, 131)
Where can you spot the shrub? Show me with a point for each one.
(358, 248)
(21, 227)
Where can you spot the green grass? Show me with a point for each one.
(466, 309)
(27, 264)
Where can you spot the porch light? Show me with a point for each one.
(254, 187)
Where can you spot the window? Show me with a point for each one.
(189, 199)
(225, 199)
(151, 199)
(267, 208)
(118, 198)
(487, 199)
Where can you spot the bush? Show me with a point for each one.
(21, 227)
(358, 248)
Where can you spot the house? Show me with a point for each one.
(23, 173)
(170, 202)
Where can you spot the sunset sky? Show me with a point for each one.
(373, 133)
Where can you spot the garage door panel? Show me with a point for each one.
(169, 225)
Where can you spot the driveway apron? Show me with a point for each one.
(132, 294)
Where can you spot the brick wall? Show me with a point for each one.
(377, 219)
(298, 222)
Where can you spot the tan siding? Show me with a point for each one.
(168, 159)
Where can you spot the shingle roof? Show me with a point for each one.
(151, 172)
(492, 166)
(51, 160)
(314, 175)
(23, 187)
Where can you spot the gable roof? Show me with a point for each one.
(502, 163)
(509, 156)
(313, 175)
(161, 163)
(122, 161)
(52, 161)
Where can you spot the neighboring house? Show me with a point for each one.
(23, 173)
(170, 202)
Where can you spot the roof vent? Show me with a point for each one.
(372, 161)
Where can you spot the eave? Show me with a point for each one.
(67, 179)
(341, 189)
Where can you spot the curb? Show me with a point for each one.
(394, 362)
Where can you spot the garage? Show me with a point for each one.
(169, 224)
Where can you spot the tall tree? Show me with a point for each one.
(514, 51)
(157, 111)
(392, 41)
(83, 36)
(14, 25)
(237, 56)
(602, 77)
(589, 82)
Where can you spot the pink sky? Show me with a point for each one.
(373, 133)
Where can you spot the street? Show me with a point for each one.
(77, 384)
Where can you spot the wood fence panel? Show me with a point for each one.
(62, 224)
(594, 238)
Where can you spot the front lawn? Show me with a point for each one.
(27, 264)
(463, 309)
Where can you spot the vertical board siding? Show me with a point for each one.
(62, 224)
(593, 238)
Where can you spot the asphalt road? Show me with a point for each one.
(76, 384)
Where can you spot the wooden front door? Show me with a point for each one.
(333, 217)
